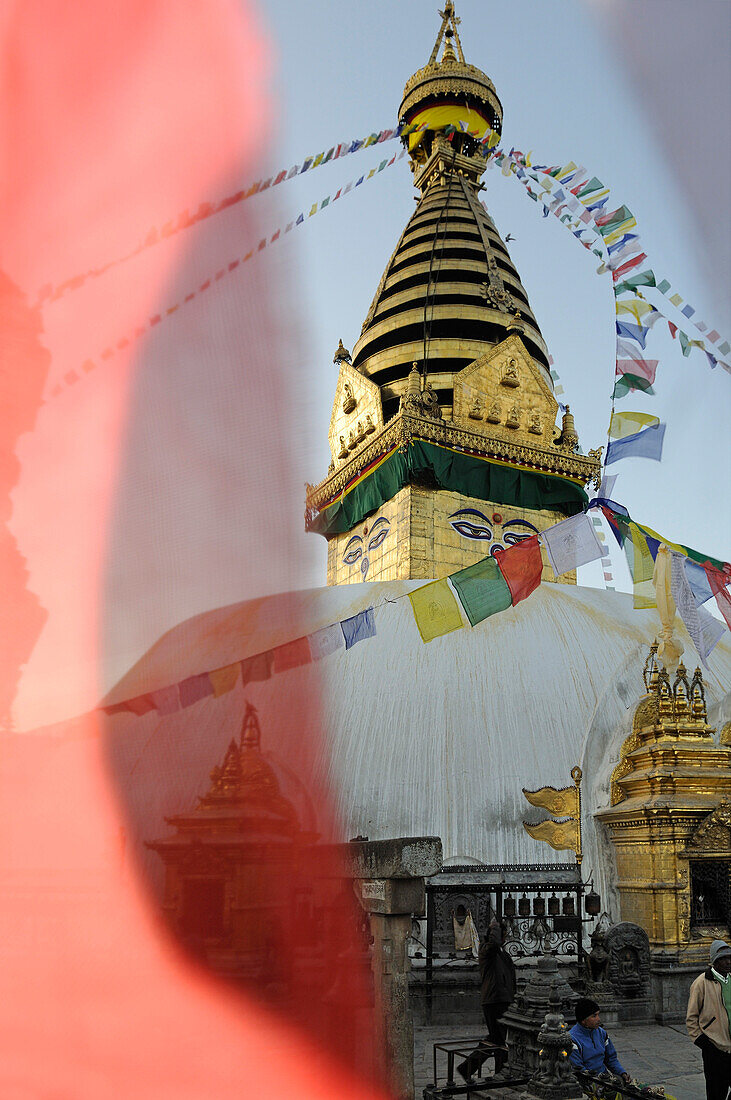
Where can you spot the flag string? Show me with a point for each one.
(185, 220)
(74, 375)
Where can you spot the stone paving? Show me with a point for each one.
(652, 1054)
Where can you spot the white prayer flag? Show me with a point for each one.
(325, 641)
(571, 543)
(704, 630)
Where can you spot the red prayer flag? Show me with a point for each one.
(719, 586)
(291, 655)
(625, 268)
(521, 566)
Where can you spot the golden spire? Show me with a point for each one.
(448, 29)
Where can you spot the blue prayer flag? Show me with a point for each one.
(644, 444)
(622, 242)
(358, 627)
(632, 332)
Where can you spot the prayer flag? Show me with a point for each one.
(258, 667)
(641, 563)
(718, 582)
(698, 580)
(482, 589)
(224, 680)
(704, 630)
(561, 835)
(636, 307)
(623, 424)
(623, 240)
(644, 444)
(326, 641)
(358, 627)
(521, 565)
(688, 311)
(435, 609)
(570, 544)
(166, 700)
(676, 299)
(621, 214)
(291, 655)
(645, 278)
(644, 368)
(632, 332)
(663, 286)
(194, 688)
(628, 266)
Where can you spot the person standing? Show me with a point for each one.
(709, 1020)
(497, 993)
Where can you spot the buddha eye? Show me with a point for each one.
(378, 538)
(354, 550)
(471, 530)
(511, 537)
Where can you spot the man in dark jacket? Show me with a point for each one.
(497, 993)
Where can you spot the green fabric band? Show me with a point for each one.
(439, 467)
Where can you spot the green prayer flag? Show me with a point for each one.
(663, 286)
(629, 382)
(645, 278)
(482, 590)
(435, 609)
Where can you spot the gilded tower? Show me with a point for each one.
(443, 431)
(670, 825)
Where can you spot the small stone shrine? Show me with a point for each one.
(554, 1079)
(628, 948)
(546, 991)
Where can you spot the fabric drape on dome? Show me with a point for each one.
(450, 469)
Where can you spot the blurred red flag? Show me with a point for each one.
(147, 474)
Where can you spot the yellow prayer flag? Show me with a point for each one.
(563, 801)
(435, 609)
(224, 679)
(623, 424)
(619, 230)
(676, 300)
(643, 567)
(635, 306)
(561, 835)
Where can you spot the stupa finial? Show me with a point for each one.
(448, 30)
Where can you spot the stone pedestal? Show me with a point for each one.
(554, 1079)
(389, 880)
(546, 990)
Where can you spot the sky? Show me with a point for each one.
(579, 80)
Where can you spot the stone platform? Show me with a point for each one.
(651, 1053)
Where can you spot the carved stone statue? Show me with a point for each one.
(369, 425)
(349, 401)
(513, 418)
(536, 423)
(359, 432)
(510, 374)
(343, 452)
(352, 442)
(494, 413)
(597, 961)
(628, 947)
(477, 410)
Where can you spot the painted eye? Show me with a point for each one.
(511, 537)
(471, 530)
(378, 538)
(351, 556)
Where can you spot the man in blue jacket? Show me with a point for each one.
(593, 1050)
